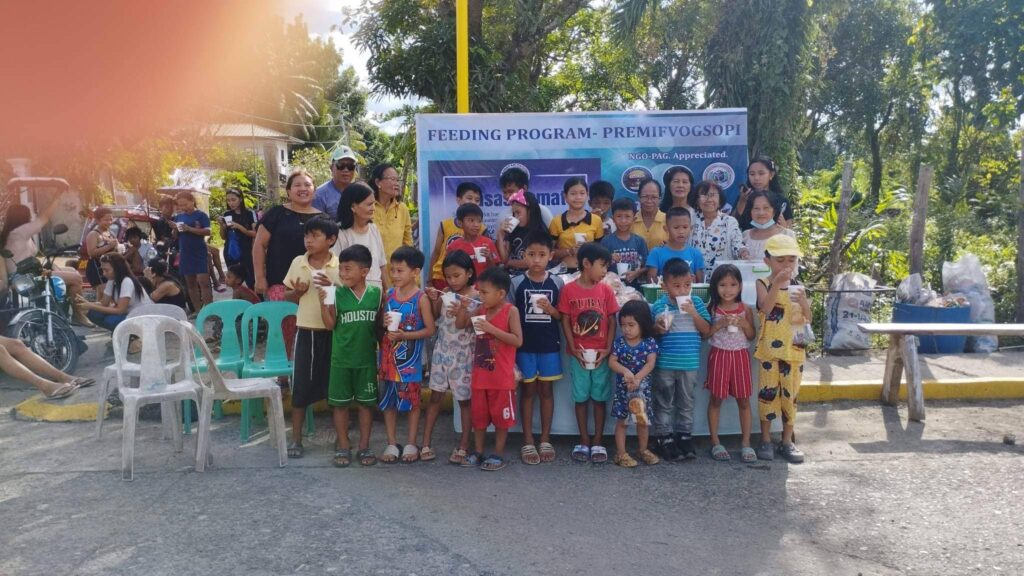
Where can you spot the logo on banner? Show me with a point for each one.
(720, 173)
(633, 176)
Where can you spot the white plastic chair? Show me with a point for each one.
(220, 388)
(132, 369)
(154, 384)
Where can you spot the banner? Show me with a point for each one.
(620, 147)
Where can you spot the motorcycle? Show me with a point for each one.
(43, 317)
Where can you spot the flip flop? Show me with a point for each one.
(547, 452)
(458, 457)
(598, 455)
(472, 460)
(748, 455)
(529, 455)
(295, 450)
(427, 454)
(342, 458)
(366, 457)
(391, 454)
(410, 454)
(493, 463)
(65, 390)
(718, 452)
(83, 382)
(580, 453)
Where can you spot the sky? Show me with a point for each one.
(320, 17)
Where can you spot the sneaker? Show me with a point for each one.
(766, 451)
(686, 449)
(791, 453)
(670, 449)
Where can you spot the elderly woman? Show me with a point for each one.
(390, 214)
(18, 237)
(279, 237)
(715, 234)
(650, 221)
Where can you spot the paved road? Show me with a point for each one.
(876, 497)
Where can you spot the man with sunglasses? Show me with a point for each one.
(343, 173)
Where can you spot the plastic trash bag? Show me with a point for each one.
(967, 277)
(845, 308)
(913, 290)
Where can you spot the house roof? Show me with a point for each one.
(250, 131)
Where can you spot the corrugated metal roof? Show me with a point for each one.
(250, 131)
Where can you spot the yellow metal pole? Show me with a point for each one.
(462, 56)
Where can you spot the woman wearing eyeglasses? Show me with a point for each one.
(716, 234)
(390, 214)
(344, 170)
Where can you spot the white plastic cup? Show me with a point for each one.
(227, 219)
(329, 294)
(180, 226)
(795, 292)
(580, 238)
(590, 359)
(449, 298)
(733, 328)
(682, 300)
(534, 299)
(476, 320)
(511, 224)
(394, 321)
(622, 268)
(481, 253)
(121, 249)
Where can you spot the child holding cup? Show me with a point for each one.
(629, 251)
(576, 226)
(480, 248)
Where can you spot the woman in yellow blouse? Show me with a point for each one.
(650, 221)
(575, 220)
(390, 214)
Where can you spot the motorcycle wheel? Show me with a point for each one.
(62, 353)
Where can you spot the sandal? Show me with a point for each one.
(581, 453)
(718, 452)
(472, 460)
(493, 463)
(427, 454)
(748, 455)
(294, 450)
(366, 457)
(649, 458)
(625, 460)
(82, 382)
(62, 391)
(410, 454)
(547, 452)
(342, 458)
(390, 455)
(458, 456)
(530, 455)
(598, 455)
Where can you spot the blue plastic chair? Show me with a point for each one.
(230, 357)
(275, 360)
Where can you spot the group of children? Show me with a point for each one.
(492, 333)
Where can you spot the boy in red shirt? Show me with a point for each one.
(498, 334)
(480, 248)
(235, 279)
(588, 310)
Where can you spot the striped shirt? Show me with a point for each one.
(679, 349)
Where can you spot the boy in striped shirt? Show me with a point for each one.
(680, 320)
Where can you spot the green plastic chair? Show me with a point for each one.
(275, 360)
(230, 357)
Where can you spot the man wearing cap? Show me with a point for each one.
(343, 173)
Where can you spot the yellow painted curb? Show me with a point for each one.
(950, 389)
(38, 408)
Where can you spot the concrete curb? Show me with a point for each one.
(39, 409)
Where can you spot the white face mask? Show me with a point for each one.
(762, 225)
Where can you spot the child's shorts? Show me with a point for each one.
(496, 407)
(400, 396)
(444, 378)
(590, 384)
(544, 366)
(728, 373)
(312, 368)
(779, 384)
(352, 385)
(620, 404)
